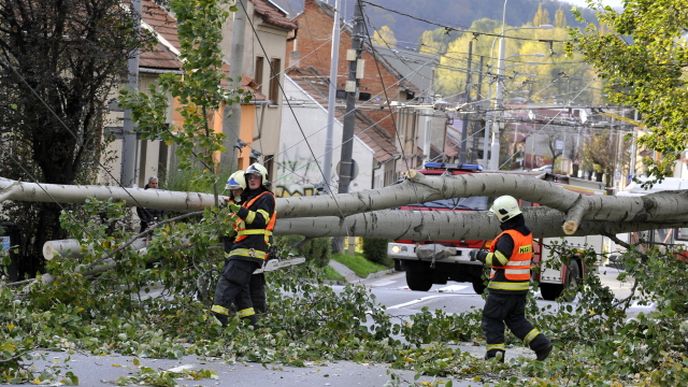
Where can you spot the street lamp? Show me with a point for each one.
(494, 148)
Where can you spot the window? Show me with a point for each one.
(275, 66)
(258, 76)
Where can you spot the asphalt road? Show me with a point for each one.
(390, 290)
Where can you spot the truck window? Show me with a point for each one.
(682, 234)
(474, 203)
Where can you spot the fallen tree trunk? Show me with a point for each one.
(573, 207)
(446, 225)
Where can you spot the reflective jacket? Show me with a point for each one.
(255, 221)
(511, 273)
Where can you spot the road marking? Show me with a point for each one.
(181, 368)
(382, 283)
(452, 288)
(417, 301)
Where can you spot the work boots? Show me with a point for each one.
(542, 346)
(496, 354)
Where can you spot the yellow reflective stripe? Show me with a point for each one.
(250, 217)
(531, 335)
(503, 260)
(265, 214)
(488, 259)
(501, 347)
(219, 309)
(246, 312)
(509, 285)
(255, 231)
(248, 253)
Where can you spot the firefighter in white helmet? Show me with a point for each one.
(254, 224)
(509, 259)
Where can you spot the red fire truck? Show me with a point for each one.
(436, 262)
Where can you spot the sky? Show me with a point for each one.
(583, 3)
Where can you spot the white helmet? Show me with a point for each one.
(258, 169)
(505, 207)
(236, 181)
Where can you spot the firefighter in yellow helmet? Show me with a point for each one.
(236, 185)
(255, 221)
(509, 259)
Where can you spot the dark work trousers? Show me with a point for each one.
(256, 285)
(505, 308)
(257, 291)
(233, 285)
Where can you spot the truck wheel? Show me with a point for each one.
(398, 265)
(573, 275)
(550, 292)
(479, 286)
(419, 278)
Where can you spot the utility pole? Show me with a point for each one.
(331, 98)
(231, 121)
(128, 171)
(355, 73)
(464, 129)
(476, 127)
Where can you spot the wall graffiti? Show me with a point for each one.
(285, 191)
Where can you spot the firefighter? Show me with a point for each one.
(509, 259)
(236, 185)
(255, 220)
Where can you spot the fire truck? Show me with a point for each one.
(554, 278)
(436, 262)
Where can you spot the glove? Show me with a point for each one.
(479, 255)
(233, 207)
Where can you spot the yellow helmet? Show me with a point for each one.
(505, 207)
(236, 181)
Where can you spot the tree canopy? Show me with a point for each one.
(642, 54)
(59, 63)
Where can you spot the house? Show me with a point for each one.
(307, 91)
(376, 125)
(260, 125)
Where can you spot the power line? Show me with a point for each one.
(461, 29)
(284, 94)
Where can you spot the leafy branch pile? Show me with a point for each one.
(152, 304)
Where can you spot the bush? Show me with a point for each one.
(375, 250)
(317, 250)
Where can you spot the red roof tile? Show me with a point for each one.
(273, 15)
(160, 57)
(374, 136)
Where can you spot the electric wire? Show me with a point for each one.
(461, 29)
(64, 125)
(284, 94)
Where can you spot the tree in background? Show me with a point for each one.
(560, 19)
(642, 54)
(537, 68)
(198, 91)
(59, 61)
(541, 16)
(384, 37)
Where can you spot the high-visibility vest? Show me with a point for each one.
(518, 267)
(240, 224)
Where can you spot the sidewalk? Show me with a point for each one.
(349, 274)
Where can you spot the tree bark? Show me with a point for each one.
(653, 209)
(446, 225)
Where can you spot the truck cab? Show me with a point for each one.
(435, 262)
